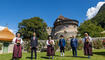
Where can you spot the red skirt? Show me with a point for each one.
(50, 51)
(88, 49)
(17, 51)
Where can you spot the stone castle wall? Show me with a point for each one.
(66, 30)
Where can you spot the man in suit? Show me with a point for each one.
(34, 44)
(74, 45)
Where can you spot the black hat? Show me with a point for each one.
(61, 36)
(49, 36)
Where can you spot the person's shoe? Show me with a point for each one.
(75, 55)
(88, 57)
(63, 54)
(52, 57)
(31, 58)
(35, 59)
(49, 57)
(13, 58)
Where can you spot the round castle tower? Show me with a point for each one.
(64, 26)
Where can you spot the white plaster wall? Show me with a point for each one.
(1, 51)
(10, 48)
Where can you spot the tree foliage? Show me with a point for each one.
(35, 24)
(95, 25)
(99, 19)
(92, 29)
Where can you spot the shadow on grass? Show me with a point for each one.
(48, 57)
(29, 58)
(11, 59)
(45, 57)
(77, 56)
(72, 56)
(81, 57)
(99, 53)
(16, 59)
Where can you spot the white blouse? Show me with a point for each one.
(50, 41)
(90, 39)
(13, 41)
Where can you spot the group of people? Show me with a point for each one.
(17, 50)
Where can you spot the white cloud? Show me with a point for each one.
(13, 31)
(94, 10)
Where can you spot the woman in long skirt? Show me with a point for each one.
(87, 45)
(50, 47)
(17, 50)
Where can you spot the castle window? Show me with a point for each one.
(67, 26)
(58, 20)
(74, 26)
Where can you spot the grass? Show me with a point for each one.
(97, 55)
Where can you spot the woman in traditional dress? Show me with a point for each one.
(17, 50)
(50, 47)
(87, 45)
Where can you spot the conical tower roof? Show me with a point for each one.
(6, 35)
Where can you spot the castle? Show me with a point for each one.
(63, 26)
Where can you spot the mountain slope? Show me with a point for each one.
(102, 8)
(99, 19)
(95, 25)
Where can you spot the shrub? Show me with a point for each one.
(97, 44)
(41, 46)
(56, 45)
(68, 47)
(27, 45)
(103, 42)
(80, 45)
(0, 46)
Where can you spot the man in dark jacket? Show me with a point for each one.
(34, 44)
(62, 44)
(74, 45)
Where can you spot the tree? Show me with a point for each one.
(95, 25)
(89, 27)
(35, 24)
(99, 19)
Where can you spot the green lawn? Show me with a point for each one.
(98, 55)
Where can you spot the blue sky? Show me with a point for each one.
(14, 11)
